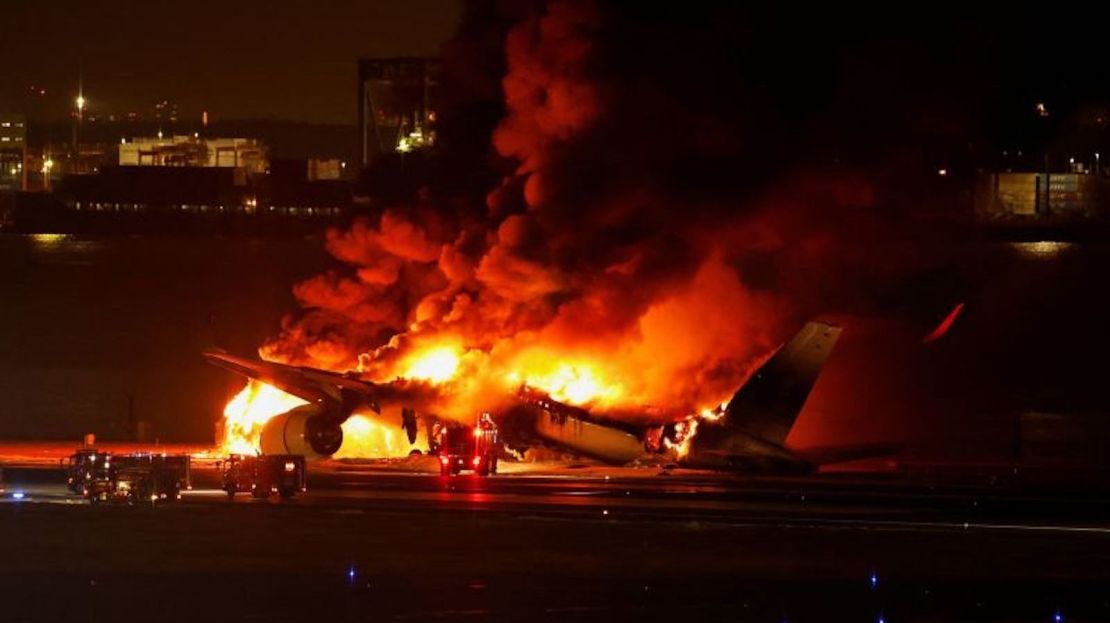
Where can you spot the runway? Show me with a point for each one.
(642, 494)
(387, 542)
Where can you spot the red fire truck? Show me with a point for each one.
(134, 478)
(461, 448)
(264, 475)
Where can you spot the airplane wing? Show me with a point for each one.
(316, 386)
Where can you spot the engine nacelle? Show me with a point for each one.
(303, 430)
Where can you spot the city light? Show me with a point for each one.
(81, 102)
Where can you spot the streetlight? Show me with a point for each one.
(80, 102)
(47, 165)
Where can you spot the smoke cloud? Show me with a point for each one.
(646, 235)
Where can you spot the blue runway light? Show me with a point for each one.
(351, 574)
(18, 495)
(1057, 618)
(874, 580)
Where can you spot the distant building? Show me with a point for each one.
(192, 151)
(1040, 196)
(13, 151)
(149, 193)
(326, 169)
(397, 105)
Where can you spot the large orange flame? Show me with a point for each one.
(248, 411)
(577, 384)
(458, 373)
(436, 365)
(364, 435)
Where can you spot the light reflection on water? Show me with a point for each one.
(48, 239)
(63, 248)
(1041, 249)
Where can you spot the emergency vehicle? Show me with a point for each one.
(460, 448)
(135, 478)
(264, 475)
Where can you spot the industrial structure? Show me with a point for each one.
(193, 151)
(397, 103)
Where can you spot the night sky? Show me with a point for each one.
(285, 60)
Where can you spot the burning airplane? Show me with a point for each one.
(600, 289)
(748, 432)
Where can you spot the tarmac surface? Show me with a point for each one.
(386, 541)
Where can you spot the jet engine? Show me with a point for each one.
(304, 430)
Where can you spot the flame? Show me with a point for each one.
(572, 383)
(364, 436)
(437, 365)
(686, 430)
(684, 436)
(248, 411)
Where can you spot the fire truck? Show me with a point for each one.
(79, 466)
(136, 478)
(460, 448)
(261, 476)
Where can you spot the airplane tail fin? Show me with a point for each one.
(768, 404)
